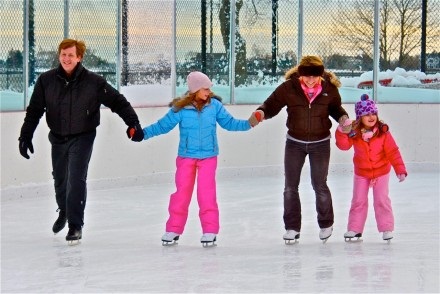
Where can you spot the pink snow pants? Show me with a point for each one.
(381, 203)
(185, 177)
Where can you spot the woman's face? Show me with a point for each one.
(369, 120)
(202, 94)
(310, 81)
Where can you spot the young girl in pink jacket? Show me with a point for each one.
(375, 151)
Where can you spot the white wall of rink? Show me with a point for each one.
(115, 159)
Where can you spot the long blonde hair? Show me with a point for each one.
(189, 99)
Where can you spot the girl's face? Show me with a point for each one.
(310, 81)
(202, 94)
(369, 120)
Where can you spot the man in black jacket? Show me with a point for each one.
(71, 97)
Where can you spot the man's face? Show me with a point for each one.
(69, 59)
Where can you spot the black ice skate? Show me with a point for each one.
(73, 236)
(60, 223)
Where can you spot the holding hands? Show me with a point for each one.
(135, 133)
(256, 118)
(345, 124)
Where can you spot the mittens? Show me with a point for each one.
(135, 133)
(401, 177)
(344, 124)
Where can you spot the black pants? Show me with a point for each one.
(319, 158)
(70, 163)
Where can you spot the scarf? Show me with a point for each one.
(311, 93)
(368, 134)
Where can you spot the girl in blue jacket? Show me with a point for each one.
(197, 114)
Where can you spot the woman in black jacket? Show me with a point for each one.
(71, 97)
(310, 95)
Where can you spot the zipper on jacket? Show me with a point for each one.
(309, 122)
(199, 115)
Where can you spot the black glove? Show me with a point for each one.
(25, 144)
(135, 133)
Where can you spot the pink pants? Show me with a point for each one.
(185, 177)
(381, 204)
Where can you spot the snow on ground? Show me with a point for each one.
(402, 87)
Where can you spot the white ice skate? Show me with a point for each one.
(291, 237)
(387, 236)
(325, 233)
(208, 239)
(350, 235)
(170, 238)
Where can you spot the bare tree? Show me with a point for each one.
(240, 42)
(400, 29)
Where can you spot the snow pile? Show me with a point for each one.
(397, 78)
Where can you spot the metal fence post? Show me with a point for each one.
(66, 19)
(376, 52)
(25, 52)
(232, 52)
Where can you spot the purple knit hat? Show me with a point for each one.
(365, 107)
(198, 80)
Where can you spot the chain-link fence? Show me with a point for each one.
(264, 41)
(158, 42)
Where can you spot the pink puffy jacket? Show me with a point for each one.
(375, 158)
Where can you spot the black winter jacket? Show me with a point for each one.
(72, 104)
(306, 121)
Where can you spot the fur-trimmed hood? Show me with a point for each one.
(328, 75)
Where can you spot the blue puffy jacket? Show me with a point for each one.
(198, 129)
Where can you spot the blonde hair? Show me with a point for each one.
(79, 45)
(188, 99)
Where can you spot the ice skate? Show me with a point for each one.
(350, 235)
(291, 237)
(170, 238)
(387, 236)
(208, 239)
(325, 233)
(60, 223)
(74, 236)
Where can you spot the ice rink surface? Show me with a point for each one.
(121, 251)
